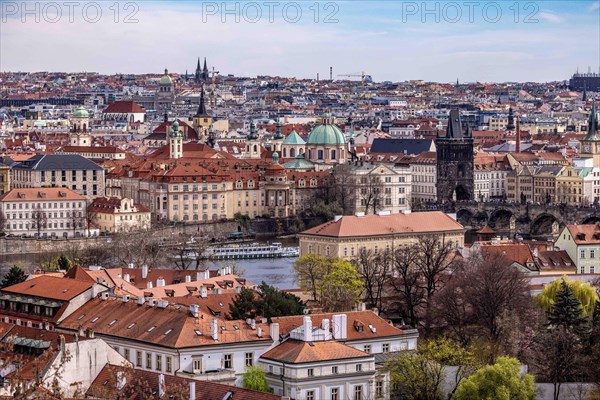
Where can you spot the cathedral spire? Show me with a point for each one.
(201, 107)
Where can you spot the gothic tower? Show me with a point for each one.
(201, 120)
(253, 147)
(205, 71)
(455, 162)
(278, 137)
(590, 144)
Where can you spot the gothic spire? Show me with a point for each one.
(454, 129)
(593, 134)
(205, 69)
(201, 107)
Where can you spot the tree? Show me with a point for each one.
(2, 221)
(39, 219)
(374, 270)
(310, 271)
(501, 381)
(63, 263)
(421, 375)
(369, 189)
(433, 262)
(13, 276)
(270, 302)
(342, 287)
(405, 282)
(255, 378)
(584, 292)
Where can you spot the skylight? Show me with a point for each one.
(95, 319)
(151, 328)
(198, 333)
(111, 323)
(169, 331)
(131, 325)
(80, 317)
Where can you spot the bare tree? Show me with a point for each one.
(369, 190)
(374, 269)
(39, 219)
(405, 282)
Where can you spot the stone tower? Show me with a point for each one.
(455, 162)
(590, 144)
(175, 140)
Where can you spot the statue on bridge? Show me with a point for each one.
(548, 199)
(523, 198)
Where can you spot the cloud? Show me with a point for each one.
(594, 6)
(550, 17)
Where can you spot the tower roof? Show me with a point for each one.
(593, 134)
(202, 107)
(454, 130)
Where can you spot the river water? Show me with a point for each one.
(278, 272)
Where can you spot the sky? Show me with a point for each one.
(486, 41)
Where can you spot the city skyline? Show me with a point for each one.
(543, 41)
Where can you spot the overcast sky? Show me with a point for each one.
(390, 40)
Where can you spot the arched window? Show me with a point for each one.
(284, 152)
(215, 217)
(255, 148)
(204, 217)
(186, 217)
(319, 154)
(292, 152)
(195, 217)
(333, 154)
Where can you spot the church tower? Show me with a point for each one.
(510, 126)
(252, 144)
(278, 137)
(205, 71)
(201, 120)
(590, 144)
(455, 162)
(80, 135)
(175, 141)
(198, 74)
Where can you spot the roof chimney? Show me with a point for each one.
(104, 296)
(259, 332)
(141, 301)
(274, 331)
(194, 308)
(214, 330)
(149, 285)
(160, 282)
(340, 326)
(307, 329)
(202, 275)
(188, 278)
(126, 278)
(144, 271)
(125, 298)
(203, 292)
(192, 391)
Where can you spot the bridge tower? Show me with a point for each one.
(455, 162)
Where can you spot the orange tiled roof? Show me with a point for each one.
(373, 224)
(298, 352)
(585, 234)
(40, 194)
(51, 287)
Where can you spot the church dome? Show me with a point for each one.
(80, 112)
(326, 133)
(166, 79)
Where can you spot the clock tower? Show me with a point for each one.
(590, 144)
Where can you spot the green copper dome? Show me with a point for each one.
(327, 133)
(80, 112)
(166, 79)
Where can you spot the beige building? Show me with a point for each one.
(113, 215)
(582, 244)
(44, 212)
(346, 236)
(424, 178)
(569, 186)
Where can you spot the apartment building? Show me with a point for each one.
(582, 244)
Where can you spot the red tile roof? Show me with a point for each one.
(297, 352)
(40, 194)
(374, 225)
(51, 287)
(123, 107)
(585, 234)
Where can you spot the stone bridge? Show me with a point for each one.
(528, 220)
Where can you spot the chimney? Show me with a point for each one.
(192, 391)
(203, 292)
(188, 279)
(141, 301)
(161, 385)
(307, 328)
(149, 285)
(214, 330)
(202, 275)
(104, 296)
(163, 303)
(125, 298)
(126, 278)
(160, 282)
(325, 325)
(252, 324)
(274, 331)
(131, 265)
(259, 332)
(144, 271)
(340, 326)
(194, 308)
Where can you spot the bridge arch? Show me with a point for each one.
(545, 224)
(591, 219)
(500, 219)
(464, 217)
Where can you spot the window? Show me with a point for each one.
(227, 361)
(358, 367)
(358, 392)
(158, 362)
(310, 372)
(335, 394)
(592, 254)
(148, 360)
(310, 395)
(378, 389)
(126, 355)
(138, 359)
(169, 364)
(249, 359)
(385, 347)
(334, 370)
